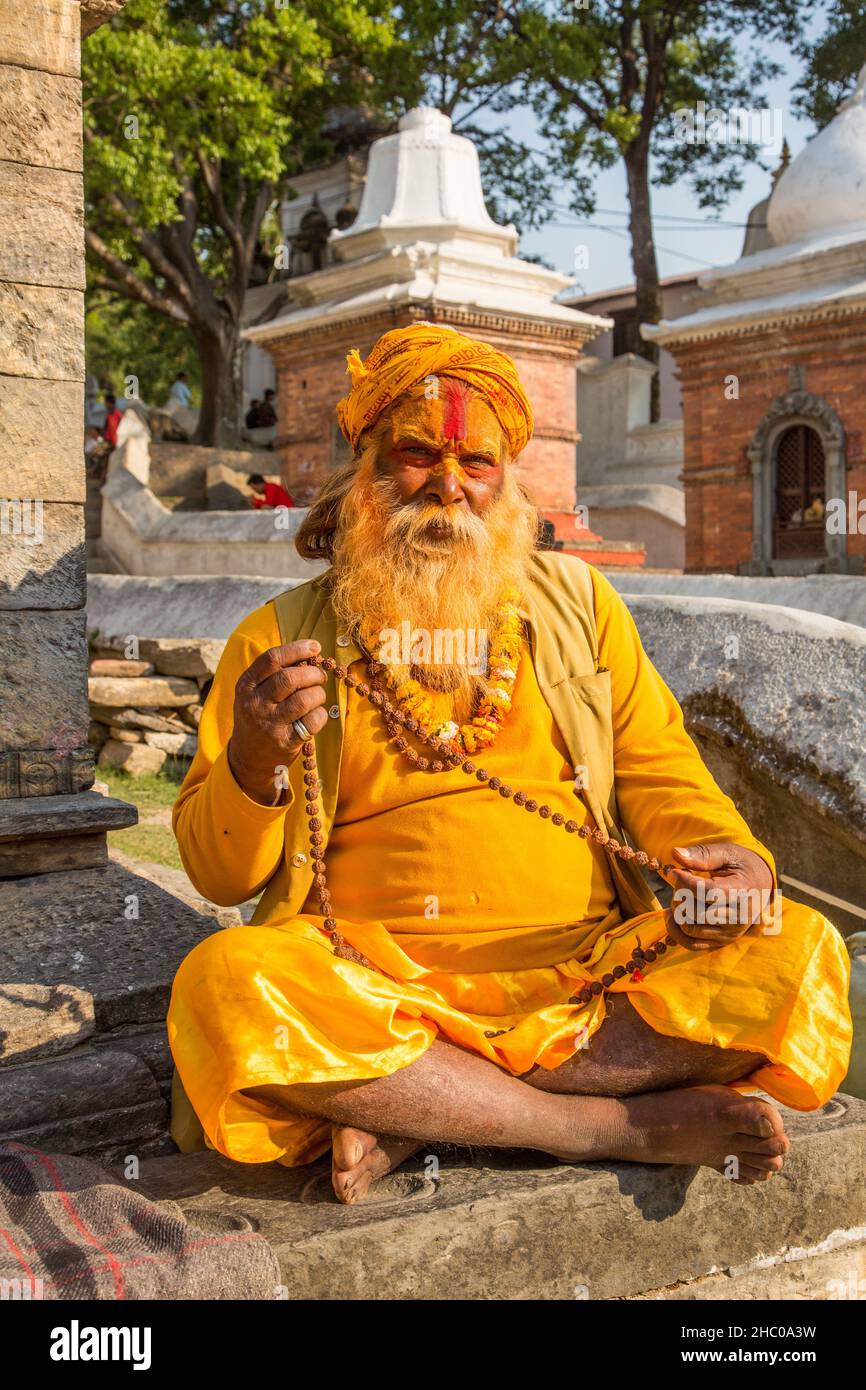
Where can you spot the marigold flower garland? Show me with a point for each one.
(494, 704)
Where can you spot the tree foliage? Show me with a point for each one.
(832, 64)
(195, 113)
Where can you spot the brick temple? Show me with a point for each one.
(773, 370)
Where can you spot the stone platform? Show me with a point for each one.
(514, 1226)
(85, 977)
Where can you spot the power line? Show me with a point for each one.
(690, 223)
(617, 231)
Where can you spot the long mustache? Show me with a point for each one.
(410, 523)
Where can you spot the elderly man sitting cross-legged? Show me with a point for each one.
(455, 941)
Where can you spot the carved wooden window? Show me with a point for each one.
(798, 520)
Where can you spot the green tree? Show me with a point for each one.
(195, 113)
(609, 80)
(123, 336)
(832, 64)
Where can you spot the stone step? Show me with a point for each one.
(513, 1226)
(104, 1101)
(97, 961)
(112, 933)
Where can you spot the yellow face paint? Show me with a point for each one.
(450, 429)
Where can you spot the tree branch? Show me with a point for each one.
(127, 283)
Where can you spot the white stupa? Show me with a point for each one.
(817, 220)
(424, 236)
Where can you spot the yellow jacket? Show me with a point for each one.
(643, 774)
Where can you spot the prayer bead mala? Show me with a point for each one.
(396, 720)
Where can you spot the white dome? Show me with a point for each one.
(424, 175)
(824, 189)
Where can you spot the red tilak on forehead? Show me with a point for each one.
(456, 398)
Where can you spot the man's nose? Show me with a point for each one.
(446, 482)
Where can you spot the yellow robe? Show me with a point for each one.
(480, 917)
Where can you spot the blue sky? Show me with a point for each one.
(679, 250)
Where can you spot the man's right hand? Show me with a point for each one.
(275, 690)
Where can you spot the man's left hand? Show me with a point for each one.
(719, 893)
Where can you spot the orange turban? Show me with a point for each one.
(405, 357)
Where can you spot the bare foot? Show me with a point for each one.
(359, 1158)
(708, 1125)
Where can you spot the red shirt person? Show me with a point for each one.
(268, 494)
(113, 418)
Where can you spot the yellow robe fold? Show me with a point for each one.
(479, 916)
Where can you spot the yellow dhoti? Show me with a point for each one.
(256, 1006)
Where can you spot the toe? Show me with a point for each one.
(777, 1147)
(352, 1184)
(749, 1174)
(348, 1146)
(764, 1163)
(757, 1119)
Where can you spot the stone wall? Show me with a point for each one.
(148, 709)
(774, 698)
(144, 537)
(840, 596)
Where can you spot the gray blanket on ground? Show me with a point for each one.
(69, 1229)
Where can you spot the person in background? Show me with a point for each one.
(268, 494)
(112, 420)
(180, 392)
(267, 411)
(252, 418)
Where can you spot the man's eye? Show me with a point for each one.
(418, 449)
(478, 461)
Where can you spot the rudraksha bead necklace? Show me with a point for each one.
(396, 721)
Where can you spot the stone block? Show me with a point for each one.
(228, 490)
(46, 772)
(132, 735)
(81, 1103)
(41, 332)
(162, 721)
(42, 562)
(40, 118)
(516, 1226)
(187, 607)
(42, 439)
(44, 34)
(52, 856)
(41, 226)
(42, 658)
(181, 745)
(148, 692)
(173, 656)
(787, 685)
(123, 670)
(41, 1020)
(96, 12)
(110, 932)
(84, 813)
(191, 715)
(137, 759)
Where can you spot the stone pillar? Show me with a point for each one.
(48, 819)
